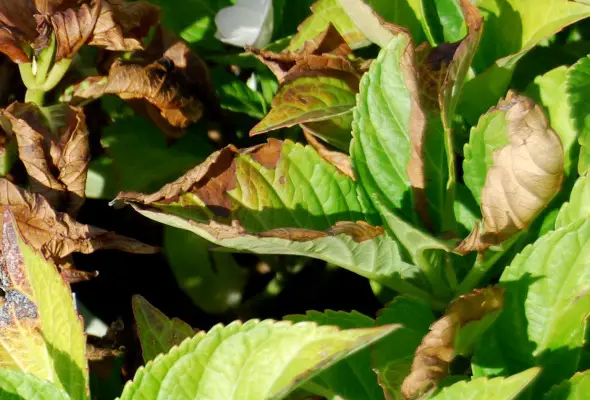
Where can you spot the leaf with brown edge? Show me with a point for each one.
(336, 158)
(39, 325)
(56, 235)
(438, 347)
(282, 197)
(329, 47)
(158, 83)
(121, 25)
(53, 145)
(524, 176)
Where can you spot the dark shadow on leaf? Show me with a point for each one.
(67, 370)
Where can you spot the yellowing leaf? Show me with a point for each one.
(40, 331)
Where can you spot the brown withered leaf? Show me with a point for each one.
(72, 27)
(158, 83)
(54, 150)
(336, 158)
(56, 235)
(437, 350)
(121, 25)
(525, 176)
(329, 48)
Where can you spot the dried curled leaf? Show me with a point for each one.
(121, 25)
(56, 235)
(525, 176)
(158, 83)
(72, 27)
(53, 145)
(437, 350)
(338, 159)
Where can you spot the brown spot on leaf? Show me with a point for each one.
(268, 154)
(338, 159)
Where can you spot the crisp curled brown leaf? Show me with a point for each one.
(327, 51)
(54, 150)
(158, 83)
(525, 176)
(121, 25)
(437, 350)
(56, 235)
(72, 28)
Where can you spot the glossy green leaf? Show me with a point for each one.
(488, 389)
(490, 134)
(392, 357)
(41, 333)
(193, 20)
(254, 360)
(513, 27)
(381, 146)
(214, 281)
(578, 89)
(445, 21)
(353, 377)
(578, 206)
(575, 388)
(141, 159)
(324, 13)
(157, 333)
(15, 385)
(235, 95)
(545, 309)
(311, 99)
(298, 204)
(550, 91)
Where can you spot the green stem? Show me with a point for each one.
(483, 266)
(45, 61)
(57, 73)
(26, 74)
(35, 96)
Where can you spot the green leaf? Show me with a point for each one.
(193, 20)
(214, 281)
(324, 13)
(141, 159)
(470, 333)
(445, 21)
(310, 99)
(578, 206)
(578, 90)
(8, 154)
(41, 333)
(254, 360)
(382, 131)
(545, 309)
(283, 199)
(392, 357)
(488, 389)
(490, 134)
(406, 13)
(551, 91)
(577, 387)
(429, 254)
(513, 27)
(353, 377)
(235, 95)
(15, 385)
(157, 333)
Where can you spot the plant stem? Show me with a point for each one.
(26, 74)
(483, 265)
(57, 72)
(35, 96)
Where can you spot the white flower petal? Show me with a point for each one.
(249, 22)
